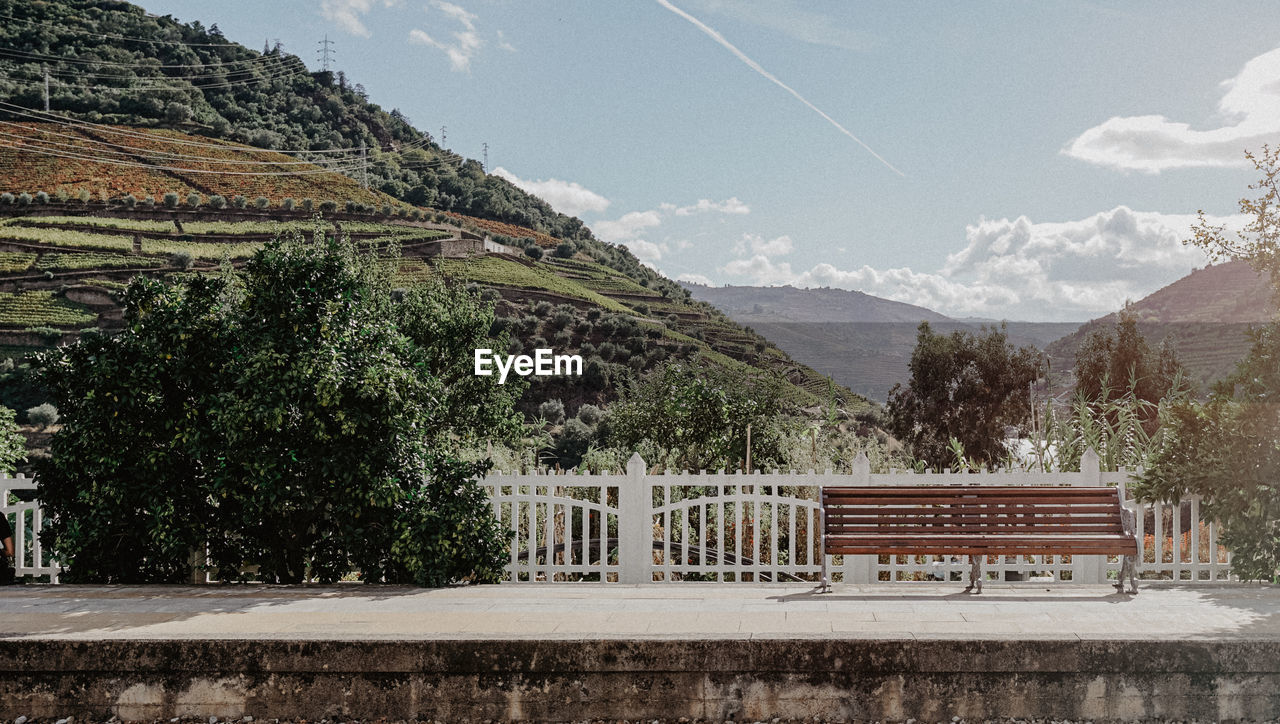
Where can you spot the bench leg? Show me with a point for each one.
(975, 574)
(1128, 569)
(826, 582)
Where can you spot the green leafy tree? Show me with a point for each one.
(297, 420)
(964, 387)
(1111, 364)
(1258, 242)
(1228, 449)
(700, 414)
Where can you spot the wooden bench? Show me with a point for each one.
(978, 521)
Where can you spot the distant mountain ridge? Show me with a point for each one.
(861, 341)
(750, 305)
(1205, 313)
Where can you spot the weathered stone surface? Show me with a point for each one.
(465, 680)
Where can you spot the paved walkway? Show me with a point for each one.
(679, 611)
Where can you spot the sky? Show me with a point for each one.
(1017, 160)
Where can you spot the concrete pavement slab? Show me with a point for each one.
(615, 611)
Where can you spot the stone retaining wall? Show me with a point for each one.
(469, 680)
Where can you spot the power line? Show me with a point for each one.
(281, 74)
(270, 64)
(181, 169)
(23, 112)
(138, 160)
(139, 151)
(45, 57)
(241, 77)
(113, 130)
(110, 36)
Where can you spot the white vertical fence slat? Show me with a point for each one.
(26, 518)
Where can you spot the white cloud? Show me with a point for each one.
(1020, 269)
(456, 12)
(504, 44)
(567, 197)
(730, 205)
(756, 244)
(466, 42)
(1250, 116)
(347, 13)
(633, 223)
(760, 270)
(627, 227)
(646, 251)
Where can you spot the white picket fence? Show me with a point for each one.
(637, 527)
(26, 518)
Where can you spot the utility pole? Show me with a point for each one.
(325, 52)
(485, 167)
(364, 165)
(443, 135)
(46, 89)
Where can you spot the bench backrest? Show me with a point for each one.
(971, 510)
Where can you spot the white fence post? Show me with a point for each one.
(860, 569)
(635, 525)
(1091, 568)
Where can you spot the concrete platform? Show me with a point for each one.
(714, 651)
(613, 611)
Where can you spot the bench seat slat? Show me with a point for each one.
(957, 550)
(969, 491)
(875, 514)
(943, 499)
(913, 529)
(1024, 490)
(945, 544)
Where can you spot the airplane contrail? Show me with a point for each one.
(756, 67)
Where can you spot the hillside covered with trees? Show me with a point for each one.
(170, 151)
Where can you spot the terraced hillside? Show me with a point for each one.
(108, 162)
(1205, 313)
(61, 274)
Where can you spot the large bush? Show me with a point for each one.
(297, 419)
(698, 417)
(1228, 451)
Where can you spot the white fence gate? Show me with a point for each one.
(641, 528)
(26, 518)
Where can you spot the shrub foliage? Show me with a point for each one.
(298, 419)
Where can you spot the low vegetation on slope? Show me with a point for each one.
(68, 271)
(1205, 316)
